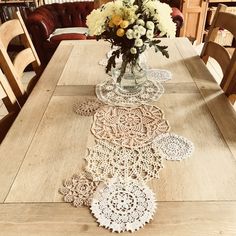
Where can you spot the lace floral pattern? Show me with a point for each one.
(87, 107)
(79, 189)
(123, 206)
(110, 94)
(129, 127)
(173, 146)
(106, 160)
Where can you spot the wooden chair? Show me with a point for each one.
(10, 101)
(226, 21)
(14, 69)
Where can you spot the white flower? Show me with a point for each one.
(161, 13)
(138, 43)
(133, 50)
(140, 22)
(136, 34)
(142, 30)
(150, 25)
(149, 34)
(96, 22)
(130, 34)
(135, 27)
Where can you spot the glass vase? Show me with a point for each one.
(133, 78)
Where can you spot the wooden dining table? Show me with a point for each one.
(48, 143)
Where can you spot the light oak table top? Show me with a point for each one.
(48, 141)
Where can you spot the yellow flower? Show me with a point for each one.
(116, 20)
(110, 24)
(120, 32)
(124, 24)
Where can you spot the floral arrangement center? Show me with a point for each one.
(132, 26)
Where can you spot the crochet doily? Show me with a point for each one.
(123, 206)
(87, 107)
(159, 75)
(79, 189)
(109, 93)
(127, 126)
(106, 160)
(173, 146)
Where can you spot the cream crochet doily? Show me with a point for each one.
(79, 189)
(106, 160)
(129, 127)
(123, 206)
(173, 146)
(110, 94)
(87, 107)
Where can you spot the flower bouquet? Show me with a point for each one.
(132, 26)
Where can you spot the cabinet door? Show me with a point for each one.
(194, 12)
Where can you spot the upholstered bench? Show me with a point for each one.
(52, 23)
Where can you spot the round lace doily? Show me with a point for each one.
(159, 75)
(110, 94)
(79, 189)
(87, 107)
(173, 146)
(123, 206)
(106, 160)
(129, 127)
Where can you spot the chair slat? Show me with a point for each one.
(219, 53)
(22, 60)
(10, 72)
(227, 21)
(10, 30)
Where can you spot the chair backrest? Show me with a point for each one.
(14, 69)
(221, 20)
(11, 104)
(230, 84)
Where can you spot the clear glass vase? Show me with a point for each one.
(133, 78)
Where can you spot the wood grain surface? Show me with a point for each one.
(48, 142)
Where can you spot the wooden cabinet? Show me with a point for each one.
(194, 12)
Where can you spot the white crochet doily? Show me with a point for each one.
(79, 189)
(173, 146)
(109, 93)
(106, 160)
(123, 206)
(87, 107)
(129, 126)
(159, 75)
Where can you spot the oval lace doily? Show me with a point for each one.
(129, 127)
(173, 146)
(106, 160)
(108, 93)
(79, 189)
(123, 206)
(87, 107)
(159, 75)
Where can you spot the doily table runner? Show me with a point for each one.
(110, 94)
(106, 160)
(173, 146)
(123, 206)
(129, 127)
(87, 107)
(79, 189)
